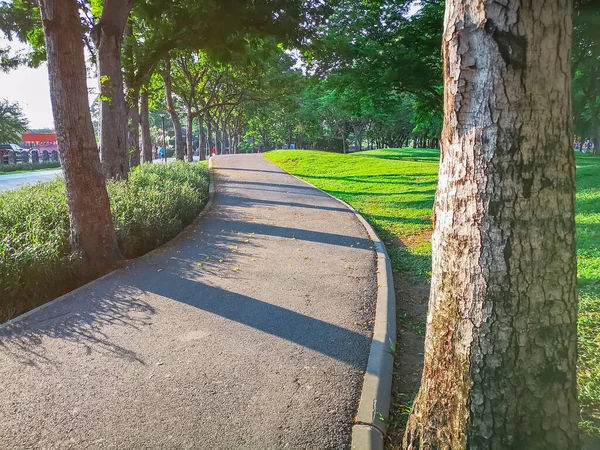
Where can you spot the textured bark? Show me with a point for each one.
(189, 136)
(501, 342)
(209, 137)
(92, 232)
(201, 138)
(179, 145)
(145, 124)
(218, 139)
(133, 133)
(108, 37)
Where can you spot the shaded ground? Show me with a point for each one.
(394, 190)
(252, 330)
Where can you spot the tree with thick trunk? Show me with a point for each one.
(201, 136)
(133, 133)
(132, 99)
(92, 232)
(179, 146)
(108, 37)
(189, 136)
(501, 343)
(145, 123)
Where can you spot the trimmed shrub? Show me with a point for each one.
(36, 262)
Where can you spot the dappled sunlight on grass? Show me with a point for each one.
(588, 273)
(394, 190)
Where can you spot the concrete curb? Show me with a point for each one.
(207, 207)
(370, 424)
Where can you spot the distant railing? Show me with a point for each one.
(24, 157)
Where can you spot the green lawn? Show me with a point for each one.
(394, 188)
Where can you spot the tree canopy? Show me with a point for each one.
(12, 122)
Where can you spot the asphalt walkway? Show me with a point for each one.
(10, 181)
(246, 332)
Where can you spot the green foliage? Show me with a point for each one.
(586, 69)
(394, 191)
(588, 273)
(6, 168)
(36, 263)
(156, 203)
(12, 122)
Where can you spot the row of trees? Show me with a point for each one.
(131, 44)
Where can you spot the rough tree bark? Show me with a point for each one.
(133, 133)
(92, 232)
(189, 136)
(501, 342)
(107, 35)
(209, 134)
(179, 145)
(201, 139)
(145, 124)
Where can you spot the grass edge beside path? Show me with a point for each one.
(6, 169)
(36, 262)
(393, 189)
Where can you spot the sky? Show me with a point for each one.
(31, 89)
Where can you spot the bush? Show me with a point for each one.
(36, 262)
(29, 166)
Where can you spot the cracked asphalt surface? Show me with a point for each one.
(246, 332)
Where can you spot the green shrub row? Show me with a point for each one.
(4, 168)
(36, 262)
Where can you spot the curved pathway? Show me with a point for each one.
(246, 332)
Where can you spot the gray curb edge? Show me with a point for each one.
(207, 207)
(371, 419)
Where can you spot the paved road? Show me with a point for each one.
(13, 180)
(245, 333)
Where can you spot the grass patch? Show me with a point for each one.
(36, 262)
(21, 168)
(394, 190)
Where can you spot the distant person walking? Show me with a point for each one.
(587, 145)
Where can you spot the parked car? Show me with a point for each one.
(20, 153)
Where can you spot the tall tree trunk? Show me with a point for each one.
(179, 145)
(209, 140)
(108, 36)
(92, 233)
(218, 139)
(145, 122)
(501, 341)
(201, 139)
(595, 122)
(189, 136)
(133, 132)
